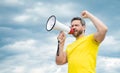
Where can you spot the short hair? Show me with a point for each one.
(78, 18)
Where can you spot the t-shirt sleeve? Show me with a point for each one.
(66, 50)
(92, 39)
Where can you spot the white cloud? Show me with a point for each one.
(37, 70)
(33, 60)
(19, 69)
(65, 9)
(110, 40)
(27, 44)
(49, 68)
(33, 47)
(13, 2)
(110, 45)
(39, 10)
(108, 65)
(22, 18)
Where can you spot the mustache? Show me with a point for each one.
(75, 30)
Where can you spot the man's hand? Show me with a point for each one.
(61, 38)
(85, 14)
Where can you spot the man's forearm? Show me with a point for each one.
(60, 54)
(100, 26)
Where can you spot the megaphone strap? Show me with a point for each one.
(58, 48)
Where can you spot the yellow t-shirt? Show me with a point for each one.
(81, 55)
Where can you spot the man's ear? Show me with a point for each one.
(84, 27)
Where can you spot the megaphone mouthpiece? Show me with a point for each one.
(71, 31)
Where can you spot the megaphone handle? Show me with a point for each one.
(58, 48)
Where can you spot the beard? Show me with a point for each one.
(77, 33)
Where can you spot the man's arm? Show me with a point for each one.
(61, 57)
(100, 26)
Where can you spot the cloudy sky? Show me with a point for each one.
(26, 46)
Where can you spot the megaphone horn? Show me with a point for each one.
(52, 23)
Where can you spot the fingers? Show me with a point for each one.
(61, 37)
(85, 14)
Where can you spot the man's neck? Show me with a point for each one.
(80, 36)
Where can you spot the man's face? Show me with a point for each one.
(77, 27)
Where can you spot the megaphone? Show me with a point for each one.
(52, 23)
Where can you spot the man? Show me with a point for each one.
(81, 54)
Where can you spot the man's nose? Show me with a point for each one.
(72, 27)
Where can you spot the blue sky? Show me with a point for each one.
(26, 46)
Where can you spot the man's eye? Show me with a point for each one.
(76, 25)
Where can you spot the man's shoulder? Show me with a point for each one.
(90, 35)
